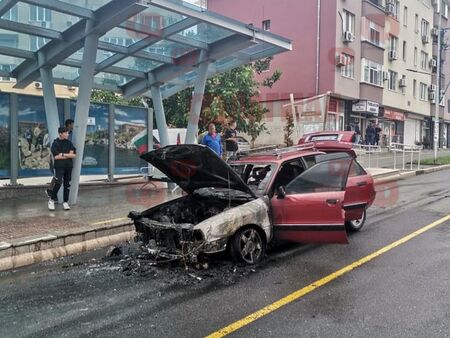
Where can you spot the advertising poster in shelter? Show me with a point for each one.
(4, 136)
(309, 114)
(95, 155)
(130, 138)
(33, 136)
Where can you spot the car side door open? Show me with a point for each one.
(310, 208)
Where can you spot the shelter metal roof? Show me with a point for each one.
(141, 43)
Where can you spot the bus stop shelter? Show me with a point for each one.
(153, 48)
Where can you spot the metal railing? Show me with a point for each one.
(368, 152)
(404, 150)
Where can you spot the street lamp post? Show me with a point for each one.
(438, 91)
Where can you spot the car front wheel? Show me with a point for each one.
(356, 224)
(248, 246)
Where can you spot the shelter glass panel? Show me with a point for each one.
(65, 72)
(139, 64)
(95, 157)
(130, 138)
(5, 155)
(154, 18)
(90, 4)
(169, 48)
(102, 55)
(108, 79)
(34, 141)
(205, 33)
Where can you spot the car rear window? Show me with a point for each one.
(333, 137)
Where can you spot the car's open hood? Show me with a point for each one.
(193, 166)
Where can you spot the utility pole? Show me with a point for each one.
(438, 88)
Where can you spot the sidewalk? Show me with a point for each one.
(30, 233)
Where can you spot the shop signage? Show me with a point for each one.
(364, 106)
(91, 121)
(394, 115)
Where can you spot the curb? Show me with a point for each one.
(408, 174)
(35, 250)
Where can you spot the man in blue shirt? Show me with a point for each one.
(212, 140)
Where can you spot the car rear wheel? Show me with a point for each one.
(248, 246)
(356, 224)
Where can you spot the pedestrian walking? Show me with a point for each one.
(29, 137)
(230, 136)
(36, 132)
(63, 152)
(377, 134)
(370, 134)
(212, 140)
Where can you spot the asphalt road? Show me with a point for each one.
(404, 292)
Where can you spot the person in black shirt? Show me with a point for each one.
(63, 152)
(230, 136)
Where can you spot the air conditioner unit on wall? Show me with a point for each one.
(402, 82)
(385, 76)
(341, 60)
(431, 96)
(434, 32)
(390, 8)
(432, 88)
(38, 85)
(348, 37)
(433, 63)
(392, 55)
(425, 39)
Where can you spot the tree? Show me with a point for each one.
(288, 129)
(104, 96)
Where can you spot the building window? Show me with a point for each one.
(423, 60)
(266, 25)
(36, 42)
(11, 15)
(416, 24)
(374, 35)
(404, 51)
(371, 72)
(6, 68)
(444, 9)
(349, 22)
(423, 91)
(393, 43)
(414, 88)
(393, 8)
(392, 80)
(348, 70)
(405, 16)
(40, 14)
(425, 28)
(415, 56)
(9, 40)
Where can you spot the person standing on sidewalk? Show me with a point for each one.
(63, 152)
(230, 136)
(212, 140)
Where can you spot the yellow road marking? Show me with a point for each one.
(311, 287)
(109, 221)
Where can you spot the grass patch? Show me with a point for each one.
(440, 161)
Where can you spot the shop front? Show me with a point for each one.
(392, 123)
(363, 113)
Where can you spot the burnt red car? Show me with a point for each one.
(297, 194)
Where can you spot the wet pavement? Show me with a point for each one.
(97, 205)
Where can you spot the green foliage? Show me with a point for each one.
(288, 129)
(104, 96)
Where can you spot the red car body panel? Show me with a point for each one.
(339, 136)
(309, 218)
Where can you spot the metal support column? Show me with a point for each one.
(66, 109)
(14, 139)
(82, 109)
(150, 129)
(111, 144)
(51, 111)
(196, 105)
(159, 115)
(51, 108)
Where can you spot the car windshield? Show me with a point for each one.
(256, 175)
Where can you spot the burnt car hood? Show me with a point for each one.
(194, 166)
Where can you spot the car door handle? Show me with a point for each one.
(361, 184)
(332, 201)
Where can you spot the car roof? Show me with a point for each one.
(274, 157)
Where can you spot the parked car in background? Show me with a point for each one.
(243, 145)
(340, 136)
(297, 194)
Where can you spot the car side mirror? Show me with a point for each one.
(281, 193)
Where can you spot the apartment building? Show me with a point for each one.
(376, 57)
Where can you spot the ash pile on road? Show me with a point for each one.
(134, 260)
